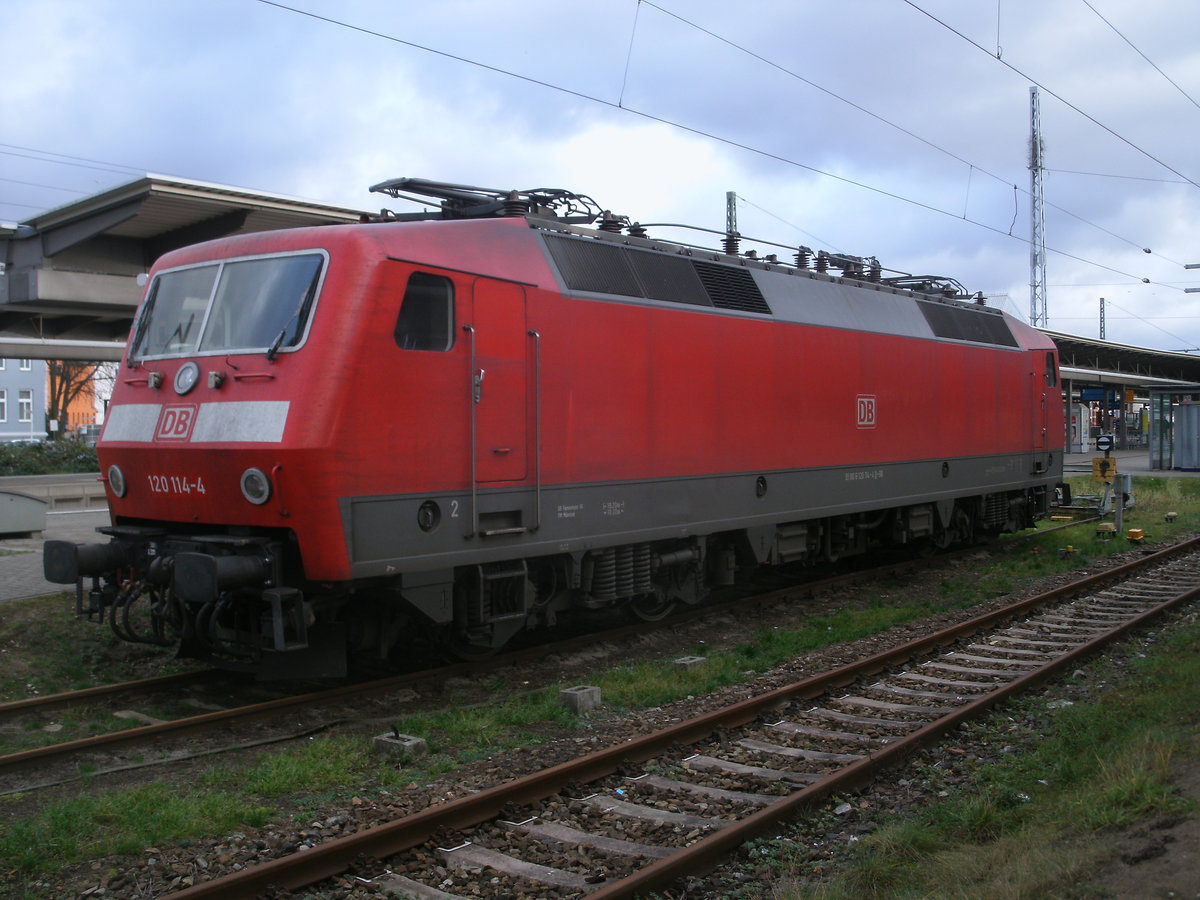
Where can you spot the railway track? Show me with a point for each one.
(664, 805)
(57, 762)
(104, 692)
(59, 759)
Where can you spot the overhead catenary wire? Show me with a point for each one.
(682, 127)
(778, 218)
(824, 90)
(637, 10)
(708, 135)
(1110, 175)
(1153, 64)
(21, 205)
(1055, 95)
(1150, 323)
(48, 187)
(972, 167)
(67, 160)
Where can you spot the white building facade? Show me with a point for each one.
(22, 400)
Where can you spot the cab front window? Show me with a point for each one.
(244, 305)
(174, 311)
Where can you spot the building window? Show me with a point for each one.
(26, 365)
(25, 406)
(3, 405)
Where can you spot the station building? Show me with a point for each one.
(71, 278)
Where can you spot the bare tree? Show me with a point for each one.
(103, 382)
(67, 380)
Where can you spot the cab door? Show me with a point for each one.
(499, 381)
(1044, 397)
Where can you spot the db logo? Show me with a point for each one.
(866, 410)
(175, 423)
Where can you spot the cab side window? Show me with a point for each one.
(1051, 371)
(426, 319)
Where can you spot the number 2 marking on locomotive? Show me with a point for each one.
(454, 509)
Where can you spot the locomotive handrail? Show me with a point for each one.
(474, 384)
(537, 428)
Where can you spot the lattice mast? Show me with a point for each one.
(1038, 314)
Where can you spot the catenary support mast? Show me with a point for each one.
(1038, 314)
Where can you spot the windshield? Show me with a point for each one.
(240, 305)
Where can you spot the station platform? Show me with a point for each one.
(1134, 462)
(21, 562)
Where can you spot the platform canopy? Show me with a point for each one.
(1088, 360)
(70, 278)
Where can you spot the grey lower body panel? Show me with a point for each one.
(393, 534)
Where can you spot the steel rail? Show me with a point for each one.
(51, 752)
(334, 857)
(177, 727)
(705, 852)
(69, 698)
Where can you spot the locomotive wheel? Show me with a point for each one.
(652, 607)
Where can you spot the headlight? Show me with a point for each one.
(116, 480)
(186, 377)
(256, 486)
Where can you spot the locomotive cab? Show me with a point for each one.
(193, 457)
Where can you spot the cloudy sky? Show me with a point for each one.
(890, 128)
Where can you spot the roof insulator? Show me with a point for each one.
(514, 205)
(609, 222)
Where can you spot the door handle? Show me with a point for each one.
(477, 385)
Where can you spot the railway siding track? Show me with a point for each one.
(55, 762)
(50, 702)
(705, 786)
(64, 756)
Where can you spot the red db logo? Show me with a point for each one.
(866, 410)
(175, 423)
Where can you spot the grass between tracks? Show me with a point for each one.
(45, 649)
(296, 782)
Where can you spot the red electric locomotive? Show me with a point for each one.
(330, 442)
